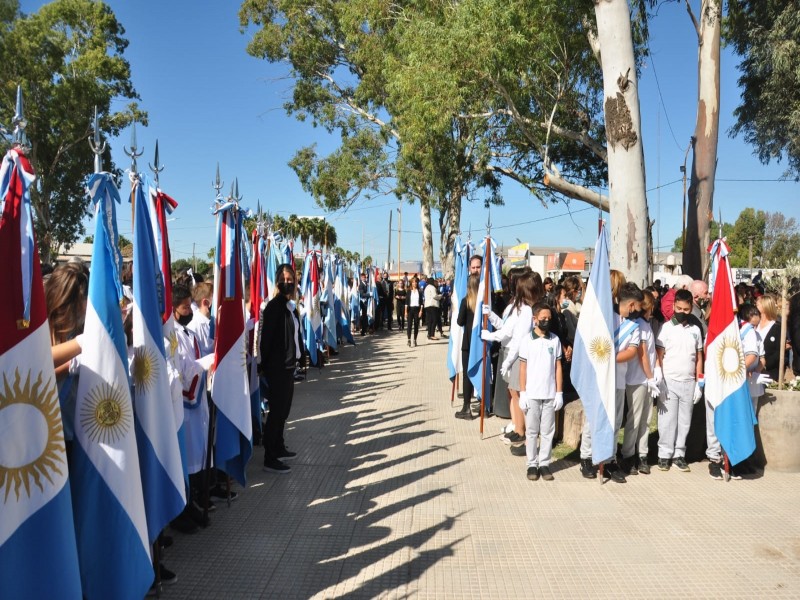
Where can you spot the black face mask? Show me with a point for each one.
(285, 288)
(634, 314)
(544, 325)
(184, 320)
(681, 317)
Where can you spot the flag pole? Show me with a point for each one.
(485, 324)
(133, 155)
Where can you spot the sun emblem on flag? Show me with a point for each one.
(106, 414)
(173, 343)
(600, 349)
(730, 360)
(144, 369)
(34, 407)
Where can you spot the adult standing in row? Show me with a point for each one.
(280, 351)
(466, 316)
(413, 309)
(400, 294)
(432, 298)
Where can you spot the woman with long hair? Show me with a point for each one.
(770, 331)
(413, 309)
(466, 315)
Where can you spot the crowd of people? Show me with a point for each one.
(659, 340)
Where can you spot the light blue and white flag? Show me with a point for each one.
(343, 296)
(156, 431)
(594, 359)
(312, 317)
(38, 552)
(459, 292)
(479, 350)
(328, 298)
(110, 522)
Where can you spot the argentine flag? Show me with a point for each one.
(594, 358)
(113, 545)
(156, 431)
(312, 320)
(230, 387)
(328, 298)
(36, 526)
(726, 387)
(459, 292)
(490, 280)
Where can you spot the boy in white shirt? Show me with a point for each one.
(540, 393)
(680, 353)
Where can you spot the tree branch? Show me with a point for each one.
(348, 100)
(576, 192)
(694, 22)
(591, 36)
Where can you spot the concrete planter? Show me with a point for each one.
(778, 432)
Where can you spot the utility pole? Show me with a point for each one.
(389, 254)
(399, 235)
(194, 259)
(750, 253)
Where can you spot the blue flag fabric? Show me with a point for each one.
(329, 299)
(479, 350)
(110, 523)
(156, 430)
(36, 523)
(594, 359)
(460, 275)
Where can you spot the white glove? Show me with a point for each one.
(523, 401)
(652, 387)
(505, 371)
(658, 375)
(486, 335)
(764, 379)
(486, 309)
(698, 392)
(558, 403)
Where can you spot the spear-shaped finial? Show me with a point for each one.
(489, 222)
(132, 153)
(97, 146)
(217, 183)
(19, 138)
(156, 168)
(235, 191)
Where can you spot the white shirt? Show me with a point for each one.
(752, 344)
(290, 306)
(200, 325)
(681, 343)
(540, 354)
(521, 327)
(628, 333)
(635, 374)
(413, 298)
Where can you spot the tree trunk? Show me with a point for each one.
(626, 181)
(427, 237)
(706, 138)
(449, 227)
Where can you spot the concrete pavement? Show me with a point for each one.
(392, 497)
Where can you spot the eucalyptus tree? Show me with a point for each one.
(68, 58)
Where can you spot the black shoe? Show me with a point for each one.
(663, 464)
(588, 470)
(273, 465)
(518, 450)
(715, 470)
(613, 472)
(165, 541)
(167, 576)
(546, 474)
(285, 455)
(464, 414)
(533, 473)
(629, 466)
(183, 523)
(513, 438)
(409, 343)
(199, 504)
(736, 472)
(415, 343)
(299, 377)
(680, 464)
(222, 493)
(196, 514)
(644, 468)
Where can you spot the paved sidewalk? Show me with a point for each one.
(392, 497)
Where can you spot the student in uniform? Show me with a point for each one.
(680, 354)
(540, 391)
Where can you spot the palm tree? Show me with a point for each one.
(305, 230)
(292, 227)
(327, 234)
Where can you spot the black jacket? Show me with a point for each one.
(465, 318)
(277, 347)
(772, 350)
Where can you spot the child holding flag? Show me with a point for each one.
(540, 393)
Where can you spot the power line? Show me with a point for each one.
(661, 97)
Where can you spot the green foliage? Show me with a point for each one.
(182, 265)
(727, 230)
(749, 224)
(68, 59)
(766, 34)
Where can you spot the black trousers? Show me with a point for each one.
(431, 319)
(281, 392)
(364, 319)
(401, 320)
(413, 321)
(467, 386)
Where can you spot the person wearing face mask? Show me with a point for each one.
(540, 393)
(679, 347)
(279, 351)
(700, 302)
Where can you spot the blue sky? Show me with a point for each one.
(209, 101)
